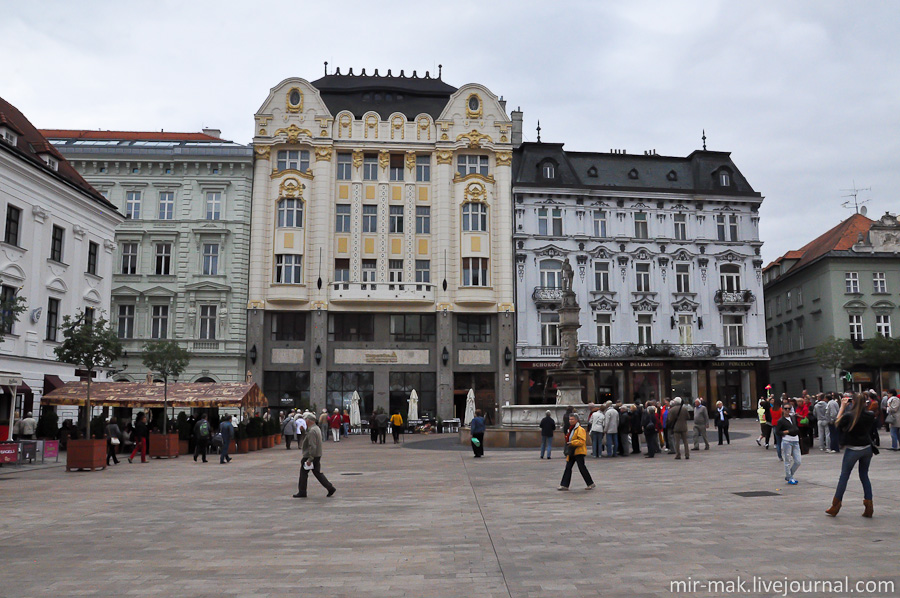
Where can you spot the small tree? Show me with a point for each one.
(834, 354)
(90, 345)
(879, 352)
(169, 360)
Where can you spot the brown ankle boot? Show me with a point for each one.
(835, 507)
(869, 509)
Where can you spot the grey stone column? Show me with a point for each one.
(318, 337)
(256, 336)
(444, 372)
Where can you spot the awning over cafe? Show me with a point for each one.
(140, 394)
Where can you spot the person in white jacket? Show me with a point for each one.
(596, 424)
(611, 429)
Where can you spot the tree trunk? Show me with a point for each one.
(87, 406)
(165, 403)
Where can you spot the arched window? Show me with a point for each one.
(548, 171)
(290, 213)
(474, 217)
(730, 278)
(551, 274)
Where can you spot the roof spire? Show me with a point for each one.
(326, 67)
(440, 70)
(704, 140)
(539, 131)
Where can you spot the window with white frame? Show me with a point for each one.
(685, 329)
(680, 227)
(474, 217)
(129, 258)
(288, 269)
(851, 282)
(57, 236)
(551, 274)
(395, 170)
(423, 220)
(290, 213)
(395, 220)
(726, 227)
(159, 322)
(342, 218)
(341, 273)
(7, 299)
(879, 282)
(641, 230)
(344, 166)
(369, 271)
(133, 205)
(423, 274)
(471, 164)
(548, 170)
(601, 276)
(642, 277)
(600, 223)
(126, 321)
(856, 328)
(163, 259)
(53, 319)
(293, 160)
(724, 179)
(883, 325)
(369, 219)
(395, 274)
(645, 329)
(210, 259)
(550, 329)
(550, 222)
(683, 278)
(213, 205)
(475, 272)
(208, 322)
(801, 342)
(166, 205)
(788, 305)
(733, 330)
(730, 278)
(370, 167)
(604, 329)
(423, 169)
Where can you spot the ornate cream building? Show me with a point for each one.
(380, 257)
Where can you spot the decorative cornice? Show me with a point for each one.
(474, 138)
(293, 133)
(323, 154)
(308, 174)
(458, 178)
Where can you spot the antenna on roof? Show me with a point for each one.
(854, 201)
(704, 140)
(326, 67)
(539, 131)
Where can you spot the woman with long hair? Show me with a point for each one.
(765, 422)
(141, 437)
(855, 423)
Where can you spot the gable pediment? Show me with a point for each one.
(207, 286)
(159, 291)
(125, 291)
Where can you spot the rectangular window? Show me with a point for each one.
(293, 160)
(600, 224)
(89, 315)
(344, 166)
(720, 227)
(369, 270)
(799, 293)
(645, 329)
(685, 329)
(726, 227)
(213, 206)
(423, 274)
(800, 340)
(7, 299)
(159, 322)
(369, 219)
(208, 322)
(342, 218)
(604, 329)
(475, 272)
(290, 213)
(423, 169)
(423, 220)
(734, 331)
(166, 205)
(473, 328)
(126, 321)
(395, 273)
(13, 220)
(601, 276)
(683, 278)
(288, 326)
(474, 217)
(164, 259)
(288, 269)
(93, 253)
(788, 305)
(129, 258)
(133, 205)
(733, 227)
(641, 230)
(412, 328)
(851, 282)
(351, 327)
(471, 164)
(396, 219)
(879, 282)
(556, 220)
(680, 227)
(856, 329)
(56, 243)
(210, 259)
(341, 273)
(883, 325)
(642, 277)
(370, 167)
(550, 329)
(396, 167)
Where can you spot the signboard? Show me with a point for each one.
(9, 452)
(862, 377)
(733, 364)
(10, 380)
(51, 449)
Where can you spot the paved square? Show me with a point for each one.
(408, 521)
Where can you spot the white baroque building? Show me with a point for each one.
(380, 260)
(666, 255)
(57, 252)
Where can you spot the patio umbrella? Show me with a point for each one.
(413, 406)
(470, 407)
(354, 410)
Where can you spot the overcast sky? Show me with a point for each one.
(803, 94)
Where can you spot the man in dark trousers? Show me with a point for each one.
(202, 435)
(548, 427)
(721, 418)
(477, 427)
(311, 445)
(226, 429)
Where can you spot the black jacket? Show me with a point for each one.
(637, 416)
(717, 418)
(861, 434)
(787, 426)
(548, 426)
(648, 422)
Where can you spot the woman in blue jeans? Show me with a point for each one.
(855, 423)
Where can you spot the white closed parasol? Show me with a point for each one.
(470, 407)
(413, 406)
(354, 410)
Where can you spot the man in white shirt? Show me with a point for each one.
(596, 424)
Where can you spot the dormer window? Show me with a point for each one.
(8, 135)
(548, 170)
(50, 161)
(724, 179)
(592, 172)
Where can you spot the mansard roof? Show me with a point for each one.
(696, 173)
(385, 95)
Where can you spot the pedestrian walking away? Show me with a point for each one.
(396, 426)
(477, 429)
(576, 449)
(311, 447)
(113, 440)
(226, 430)
(548, 427)
(790, 445)
(287, 430)
(202, 434)
(857, 425)
(678, 417)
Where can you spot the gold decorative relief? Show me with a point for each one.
(345, 121)
(475, 192)
(293, 133)
(411, 160)
(323, 154)
(397, 125)
(506, 307)
(475, 138)
(474, 106)
(294, 99)
(384, 159)
(357, 158)
(255, 304)
(444, 157)
(262, 131)
(290, 187)
(324, 133)
(306, 174)
(371, 123)
(423, 124)
(458, 178)
(262, 151)
(504, 158)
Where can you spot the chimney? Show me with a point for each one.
(502, 103)
(217, 133)
(516, 116)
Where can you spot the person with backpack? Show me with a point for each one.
(202, 436)
(856, 423)
(226, 431)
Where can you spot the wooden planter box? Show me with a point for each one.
(232, 447)
(86, 454)
(269, 441)
(243, 446)
(253, 444)
(183, 447)
(278, 439)
(164, 445)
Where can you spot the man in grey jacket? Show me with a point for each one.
(611, 429)
(821, 413)
(311, 445)
(701, 422)
(677, 421)
(833, 434)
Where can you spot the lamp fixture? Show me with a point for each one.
(700, 322)
(318, 354)
(672, 320)
(507, 356)
(445, 356)
(253, 354)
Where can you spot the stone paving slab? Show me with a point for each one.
(440, 523)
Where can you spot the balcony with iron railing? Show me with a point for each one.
(547, 296)
(734, 300)
(587, 351)
(406, 292)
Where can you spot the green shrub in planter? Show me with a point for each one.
(48, 424)
(256, 427)
(98, 427)
(240, 432)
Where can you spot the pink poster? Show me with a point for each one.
(9, 452)
(51, 449)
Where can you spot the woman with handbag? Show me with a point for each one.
(113, 440)
(576, 449)
(855, 423)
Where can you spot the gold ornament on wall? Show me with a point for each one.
(262, 131)
(474, 106)
(444, 157)
(262, 151)
(384, 159)
(424, 124)
(397, 125)
(345, 121)
(504, 158)
(293, 133)
(323, 154)
(474, 137)
(290, 187)
(475, 192)
(357, 158)
(411, 160)
(371, 123)
(294, 99)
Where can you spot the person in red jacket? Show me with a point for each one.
(806, 436)
(776, 415)
(334, 423)
(345, 423)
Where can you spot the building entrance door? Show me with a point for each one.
(485, 394)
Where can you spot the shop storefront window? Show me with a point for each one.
(289, 389)
(339, 390)
(403, 383)
(645, 386)
(684, 384)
